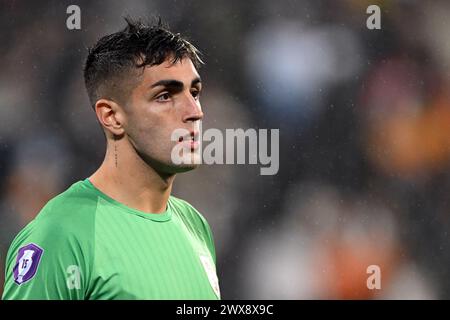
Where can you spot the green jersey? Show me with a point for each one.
(85, 245)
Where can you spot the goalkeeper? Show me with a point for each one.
(120, 234)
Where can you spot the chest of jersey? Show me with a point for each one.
(137, 258)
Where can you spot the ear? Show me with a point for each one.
(111, 116)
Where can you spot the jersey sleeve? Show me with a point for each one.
(46, 261)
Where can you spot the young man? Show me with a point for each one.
(119, 234)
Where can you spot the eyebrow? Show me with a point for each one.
(175, 84)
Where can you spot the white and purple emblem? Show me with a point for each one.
(27, 262)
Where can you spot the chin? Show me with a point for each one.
(184, 168)
(192, 162)
(171, 168)
(168, 167)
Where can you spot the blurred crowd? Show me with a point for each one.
(364, 119)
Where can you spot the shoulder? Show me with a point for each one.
(187, 210)
(194, 221)
(56, 241)
(68, 217)
(74, 205)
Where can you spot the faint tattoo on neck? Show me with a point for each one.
(115, 150)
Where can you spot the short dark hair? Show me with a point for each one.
(114, 57)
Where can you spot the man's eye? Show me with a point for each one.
(163, 97)
(195, 94)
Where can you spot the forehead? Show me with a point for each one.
(183, 70)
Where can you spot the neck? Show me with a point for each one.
(126, 178)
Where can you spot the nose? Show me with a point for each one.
(193, 110)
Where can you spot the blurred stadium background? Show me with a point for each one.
(364, 118)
